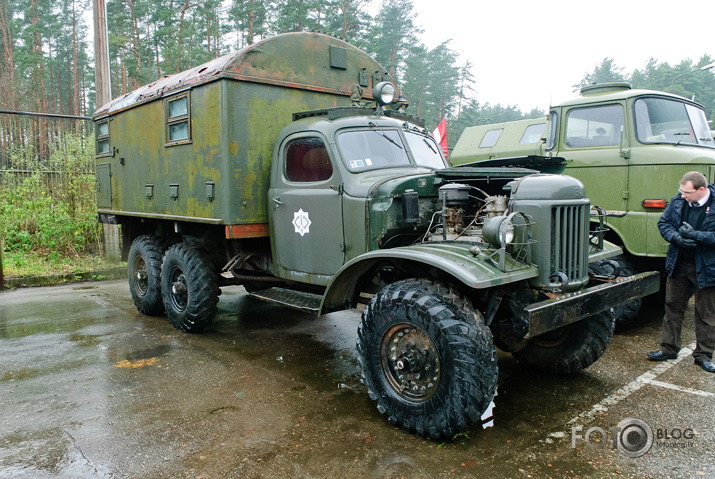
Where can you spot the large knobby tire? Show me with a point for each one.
(427, 358)
(190, 289)
(569, 348)
(144, 274)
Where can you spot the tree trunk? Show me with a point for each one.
(251, 18)
(136, 48)
(75, 85)
(40, 97)
(180, 53)
(8, 44)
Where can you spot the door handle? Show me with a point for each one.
(277, 201)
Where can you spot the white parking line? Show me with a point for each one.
(682, 389)
(633, 386)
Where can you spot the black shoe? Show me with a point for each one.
(660, 356)
(706, 364)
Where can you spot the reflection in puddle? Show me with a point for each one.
(141, 355)
(85, 339)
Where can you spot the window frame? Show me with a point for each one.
(528, 133)
(552, 131)
(102, 138)
(589, 142)
(178, 119)
(689, 108)
(292, 176)
(364, 167)
(489, 140)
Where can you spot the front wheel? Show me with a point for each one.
(428, 361)
(189, 288)
(569, 348)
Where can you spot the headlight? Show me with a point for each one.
(506, 232)
(383, 93)
(498, 232)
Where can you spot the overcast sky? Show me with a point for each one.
(530, 53)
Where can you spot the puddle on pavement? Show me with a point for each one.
(85, 339)
(116, 356)
(20, 374)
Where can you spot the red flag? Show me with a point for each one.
(440, 134)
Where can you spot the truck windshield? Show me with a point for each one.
(425, 150)
(660, 120)
(365, 150)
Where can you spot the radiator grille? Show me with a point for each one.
(569, 255)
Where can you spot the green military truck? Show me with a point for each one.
(628, 147)
(267, 168)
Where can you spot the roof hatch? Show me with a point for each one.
(603, 88)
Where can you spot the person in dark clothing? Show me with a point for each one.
(688, 224)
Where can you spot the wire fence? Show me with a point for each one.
(47, 192)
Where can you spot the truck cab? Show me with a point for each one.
(326, 164)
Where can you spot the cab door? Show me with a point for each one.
(305, 210)
(593, 141)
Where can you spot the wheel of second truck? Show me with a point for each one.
(190, 289)
(428, 361)
(144, 274)
(626, 312)
(569, 348)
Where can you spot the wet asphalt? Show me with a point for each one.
(90, 388)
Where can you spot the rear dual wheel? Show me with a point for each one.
(144, 274)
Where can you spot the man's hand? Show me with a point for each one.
(684, 242)
(687, 231)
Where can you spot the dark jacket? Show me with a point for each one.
(668, 225)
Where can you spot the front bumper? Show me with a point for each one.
(553, 313)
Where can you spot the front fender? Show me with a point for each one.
(453, 259)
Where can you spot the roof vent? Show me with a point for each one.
(603, 88)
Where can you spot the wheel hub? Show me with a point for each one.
(141, 275)
(410, 362)
(179, 290)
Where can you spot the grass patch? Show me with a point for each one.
(34, 263)
(48, 220)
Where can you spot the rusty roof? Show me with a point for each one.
(294, 60)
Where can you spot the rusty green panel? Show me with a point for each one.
(177, 174)
(104, 185)
(237, 106)
(256, 113)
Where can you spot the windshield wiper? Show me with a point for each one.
(681, 135)
(385, 136)
(428, 144)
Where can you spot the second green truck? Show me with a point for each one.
(628, 147)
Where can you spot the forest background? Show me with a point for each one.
(46, 66)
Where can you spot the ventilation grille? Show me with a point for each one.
(569, 254)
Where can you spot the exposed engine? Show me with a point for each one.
(464, 211)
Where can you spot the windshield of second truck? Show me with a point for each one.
(660, 120)
(365, 150)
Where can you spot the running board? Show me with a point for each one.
(306, 302)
